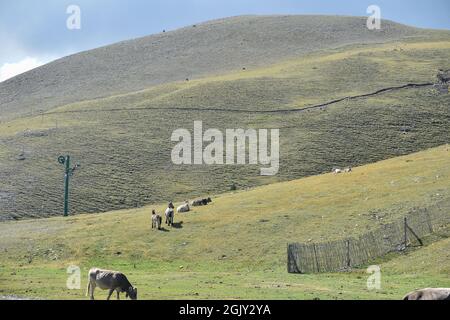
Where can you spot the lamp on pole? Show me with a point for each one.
(68, 172)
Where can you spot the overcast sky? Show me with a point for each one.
(35, 32)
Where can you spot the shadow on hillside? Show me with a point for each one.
(178, 225)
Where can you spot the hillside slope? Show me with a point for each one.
(236, 246)
(208, 48)
(123, 142)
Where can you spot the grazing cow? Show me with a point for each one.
(184, 207)
(112, 281)
(347, 170)
(169, 216)
(156, 220)
(337, 171)
(429, 294)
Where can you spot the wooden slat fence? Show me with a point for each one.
(343, 254)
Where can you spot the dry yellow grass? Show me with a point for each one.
(241, 232)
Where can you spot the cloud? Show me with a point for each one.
(9, 70)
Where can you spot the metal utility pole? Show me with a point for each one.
(68, 172)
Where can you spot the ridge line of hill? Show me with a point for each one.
(317, 106)
(193, 52)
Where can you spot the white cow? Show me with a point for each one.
(429, 294)
(169, 216)
(184, 207)
(338, 170)
(156, 220)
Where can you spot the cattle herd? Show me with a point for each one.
(170, 211)
(115, 281)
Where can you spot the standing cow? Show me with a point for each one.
(112, 281)
(156, 220)
(170, 213)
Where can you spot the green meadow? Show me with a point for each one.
(235, 248)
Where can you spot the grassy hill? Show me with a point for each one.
(123, 141)
(208, 48)
(236, 247)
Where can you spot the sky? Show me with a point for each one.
(35, 32)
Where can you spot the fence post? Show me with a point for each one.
(348, 253)
(405, 240)
(414, 234)
(292, 258)
(315, 257)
